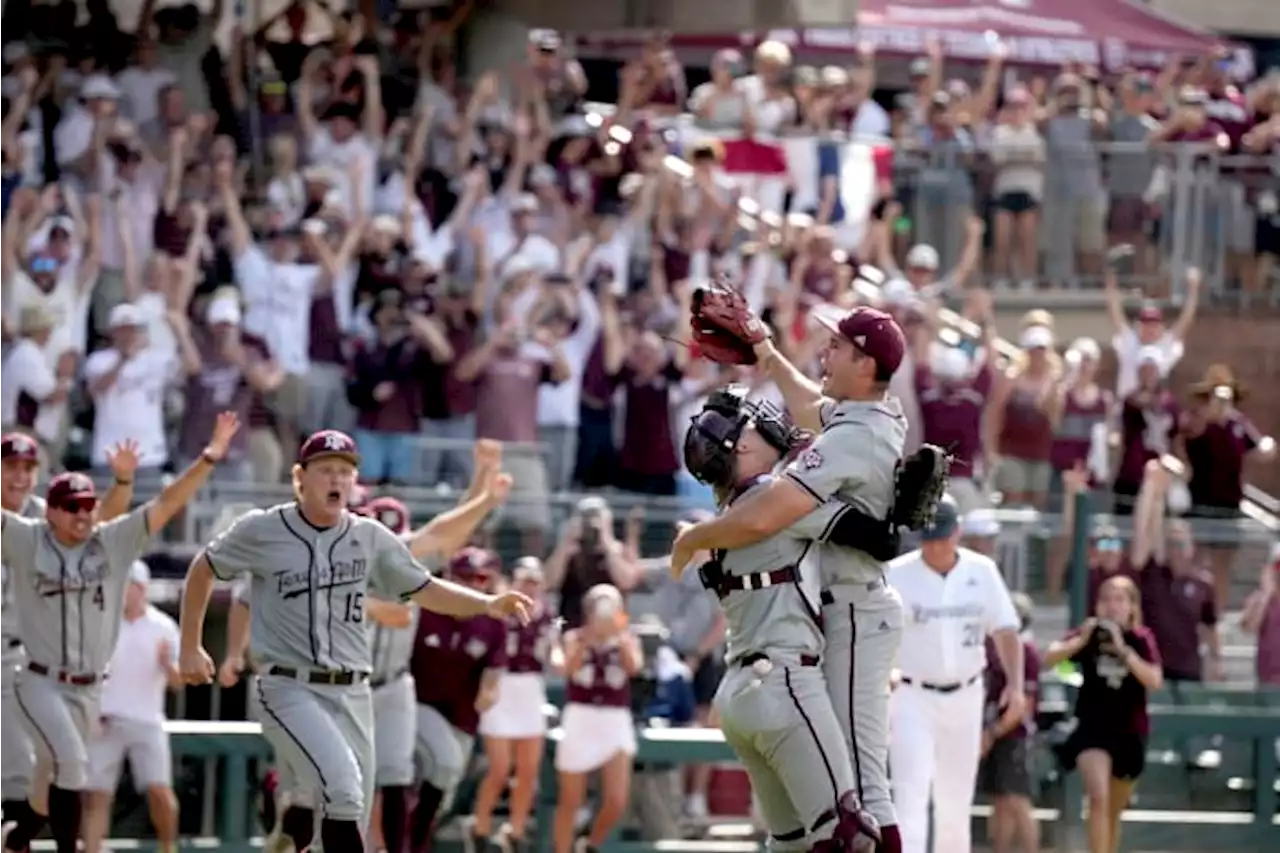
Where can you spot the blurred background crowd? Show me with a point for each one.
(326, 218)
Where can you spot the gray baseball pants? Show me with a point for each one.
(777, 716)
(60, 718)
(323, 734)
(15, 742)
(863, 628)
(395, 720)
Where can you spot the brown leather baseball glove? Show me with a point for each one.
(725, 328)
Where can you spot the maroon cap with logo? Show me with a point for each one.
(328, 442)
(873, 332)
(71, 492)
(15, 445)
(473, 563)
(390, 512)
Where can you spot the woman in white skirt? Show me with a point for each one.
(515, 727)
(601, 658)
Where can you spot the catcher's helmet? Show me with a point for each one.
(713, 434)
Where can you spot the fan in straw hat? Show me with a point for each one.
(1219, 383)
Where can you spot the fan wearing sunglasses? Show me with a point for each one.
(69, 571)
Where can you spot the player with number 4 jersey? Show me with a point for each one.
(312, 562)
(69, 576)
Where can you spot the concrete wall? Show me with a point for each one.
(1237, 17)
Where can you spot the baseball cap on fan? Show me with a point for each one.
(23, 448)
(328, 442)
(140, 572)
(71, 492)
(474, 564)
(874, 333)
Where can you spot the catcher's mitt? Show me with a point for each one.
(920, 483)
(725, 328)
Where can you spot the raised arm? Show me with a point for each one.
(802, 395)
(1182, 326)
(453, 528)
(179, 493)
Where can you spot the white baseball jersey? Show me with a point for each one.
(947, 616)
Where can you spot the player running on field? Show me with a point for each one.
(312, 562)
(20, 464)
(69, 576)
(774, 707)
(391, 628)
(857, 456)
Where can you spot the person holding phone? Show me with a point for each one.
(1119, 665)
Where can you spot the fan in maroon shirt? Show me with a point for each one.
(456, 664)
(1218, 440)
(1178, 603)
(951, 407)
(1148, 425)
(1261, 616)
(647, 458)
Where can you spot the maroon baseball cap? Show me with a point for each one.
(23, 448)
(328, 442)
(390, 512)
(873, 332)
(1150, 313)
(72, 492)
(473, 563)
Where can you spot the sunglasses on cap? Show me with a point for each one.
(76, 503)
(1109, 545)
(44, 265)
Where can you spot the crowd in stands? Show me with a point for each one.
(344, 234)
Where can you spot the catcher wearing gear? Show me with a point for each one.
(773, 703)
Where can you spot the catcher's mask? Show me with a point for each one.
(710, 445)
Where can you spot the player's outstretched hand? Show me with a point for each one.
(224, 429)
(511, 603)
(196, 666)
(229, 672)
(123, 460)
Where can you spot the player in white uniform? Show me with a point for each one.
(143, 666)
(952, 599)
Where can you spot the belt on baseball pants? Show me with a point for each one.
(828, 597)
(375, 683)
(335, 677)
(941, 688)
(756, 657)
(755, 581)
(77, 679)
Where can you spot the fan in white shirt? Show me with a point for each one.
(348, 139)
(127, 383)
(952, 599)
(140, 84)
(143, 665)
(32, 392)
(1148, 330)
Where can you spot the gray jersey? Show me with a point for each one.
(32, 507)
(854, 458)
(391, 648)
(778, 618)
(69, 600)
(308, 585)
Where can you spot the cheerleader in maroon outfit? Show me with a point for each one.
(515, 727)
(598, 732)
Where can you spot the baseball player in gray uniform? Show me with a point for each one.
(20, 460)
(860, 436)
(775, 710)
(311, 563)
(69, 577)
